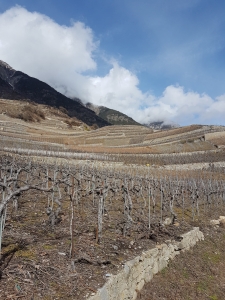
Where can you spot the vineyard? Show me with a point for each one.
(78, 202)
(64, 224)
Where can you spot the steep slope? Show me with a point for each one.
(18, 85)
(112, 116)
(7, 92)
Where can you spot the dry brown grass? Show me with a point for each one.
(155, 149)
(218, 141)
(72, 122)
(111, 150)
(197, 274)
(28, 113)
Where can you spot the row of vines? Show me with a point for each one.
(130, 199)
(152, 159)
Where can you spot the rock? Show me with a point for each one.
(176, 224)
(168, 221)
(140, 285)
(222, 222)
(214, 222)
(159, 246)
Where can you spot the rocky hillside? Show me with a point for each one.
(6, 91)
(16, 85)
(112, 116)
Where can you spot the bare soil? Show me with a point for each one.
(36, 263)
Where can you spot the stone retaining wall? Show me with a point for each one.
(141, 269)
(214, 135)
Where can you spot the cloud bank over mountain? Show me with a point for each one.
(66, 57)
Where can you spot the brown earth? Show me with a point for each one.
(36, 263)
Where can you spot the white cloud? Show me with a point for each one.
(119, 90)
(37, 45)
(59, 55)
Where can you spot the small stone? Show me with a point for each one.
(214, 222)
(159, 246)
(167, 221)
(176, 224)
(62, 253)
(222, 222)
(168, 242)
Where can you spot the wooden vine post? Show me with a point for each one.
(149, 206)
(2, 217)
(72, 221)
(100, 213)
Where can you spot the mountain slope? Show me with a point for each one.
(6, 91)
(112, 116)
(16, 85)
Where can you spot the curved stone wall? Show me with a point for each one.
(126, 284)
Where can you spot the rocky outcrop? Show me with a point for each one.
(126, 284)
(112, 116)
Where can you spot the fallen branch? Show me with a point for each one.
(86, 260)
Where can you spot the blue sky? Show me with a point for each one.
(154, 60)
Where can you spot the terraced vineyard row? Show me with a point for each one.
(127, 196)
(61, 214)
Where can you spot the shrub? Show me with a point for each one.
(94, 126)
(29, 113)
(72, 122)
(28, 116)
(63, 110)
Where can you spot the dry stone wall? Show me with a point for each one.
(214, 135)
(126, 284)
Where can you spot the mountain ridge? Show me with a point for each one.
(16, 85)
(112, 116)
